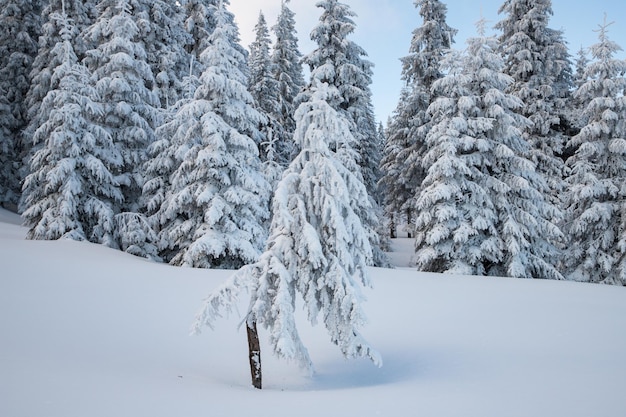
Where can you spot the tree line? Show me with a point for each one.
(147, 127)
(504, 158)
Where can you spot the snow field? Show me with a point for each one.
(88, 331)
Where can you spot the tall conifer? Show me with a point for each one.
(404, 150)
(537, 58)
(71, 192)
(213, 212)
(595, 200)
(482, 208)
(20, 21)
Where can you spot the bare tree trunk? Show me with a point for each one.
(254, 353)
(392, 226)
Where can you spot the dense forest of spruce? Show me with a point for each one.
(146, 126)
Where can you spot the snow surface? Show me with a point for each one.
(88, 331)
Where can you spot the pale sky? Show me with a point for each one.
(384, 30)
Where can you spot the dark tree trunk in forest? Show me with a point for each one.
(409, 221)
(254, 353)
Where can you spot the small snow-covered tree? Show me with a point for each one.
(483, 208)
(401, 161)
(596, 196)
(71, 192)
(318, 247)
(212, 214)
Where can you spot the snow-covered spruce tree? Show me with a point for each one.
(124, 81)
(20, 21)
(582, 62)
(125, 84)
(577, 105)
(401, 162)
(340, 63)
(165, 40)
(81, 14)
(264, 90)
(395, 191)
(212, 215)
(380, 145)
(71, 192)
(200, 21)
(263, 86)
(318, 247)
(483, 208)
(199, 24)
(9, 165)
(596, 198)
(162, 160)
(287, 71)
(536, 57)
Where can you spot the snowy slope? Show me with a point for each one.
(87, 331)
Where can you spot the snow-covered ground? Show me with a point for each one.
(86, 331)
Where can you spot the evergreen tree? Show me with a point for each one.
(200, 21)
(582, 62)
(125, 82)
(9, 165)
(595, 201)
(165, 41)
(162, 159)
(264, 90)
(20, 21)
(577, 105)
(71, 191)
(263, 86)
(339, 62)
(537, 59)
(318, 246)
(402, 167)
(212, 215)
(394, 188)
(81, 14)
(482, 208)
(287, 71)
